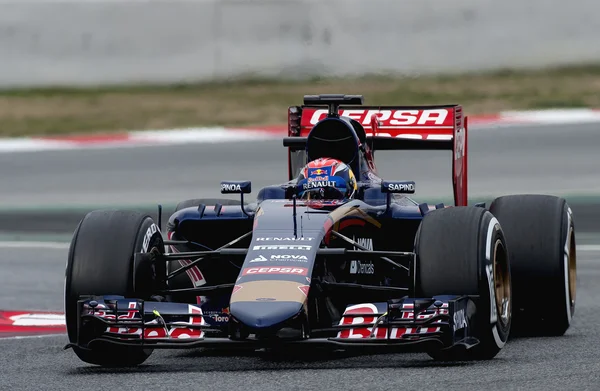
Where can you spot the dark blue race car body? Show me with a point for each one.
(280, 270)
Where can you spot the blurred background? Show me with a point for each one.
(78, 77)
(131, 104)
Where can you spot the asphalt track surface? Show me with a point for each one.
(560, 160)
(34, 280)
(557, 160)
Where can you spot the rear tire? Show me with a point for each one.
(462, 251)
(100, 262)
(540, 236)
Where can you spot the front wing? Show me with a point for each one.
(427, 324)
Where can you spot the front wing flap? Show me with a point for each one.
(138, 322)
(441, 321)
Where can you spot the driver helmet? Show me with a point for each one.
(326, 179)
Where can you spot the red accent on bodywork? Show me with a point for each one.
(193, 273)
(350, 223)
(304, 289)
(360, 332)
(459, 164)
(236, 288)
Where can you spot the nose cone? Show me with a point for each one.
(265, 314)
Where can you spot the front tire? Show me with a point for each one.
(462, 251)
(100, 262)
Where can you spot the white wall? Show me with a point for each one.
(111, 41)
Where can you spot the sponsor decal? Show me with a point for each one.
(460, 321)
(364, 242)
(219, 316)
(147, 236)
(401, 187)
(260, 258)
(431, 117)
(283, 258)
(300, 271)
(318, 184)
(236, 187)
(358, 267)
(282, 247)
(155, 329)
(317, 178)
(362, 322)
(369, 312)
(231, 187)
(284, 239)
(292, 257)
(318, 171)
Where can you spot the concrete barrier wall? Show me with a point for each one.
(105, 42)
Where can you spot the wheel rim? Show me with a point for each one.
(572, 269)
(502, 284)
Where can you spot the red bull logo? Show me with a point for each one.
(318, 171)
(318, 178)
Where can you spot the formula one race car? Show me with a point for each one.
(336, 256)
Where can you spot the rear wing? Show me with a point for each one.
(440, 127)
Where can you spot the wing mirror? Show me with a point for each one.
(396, 187)
(237, 187)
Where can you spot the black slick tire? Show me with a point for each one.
(100, 262)
(540, 236)
(462, 251)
